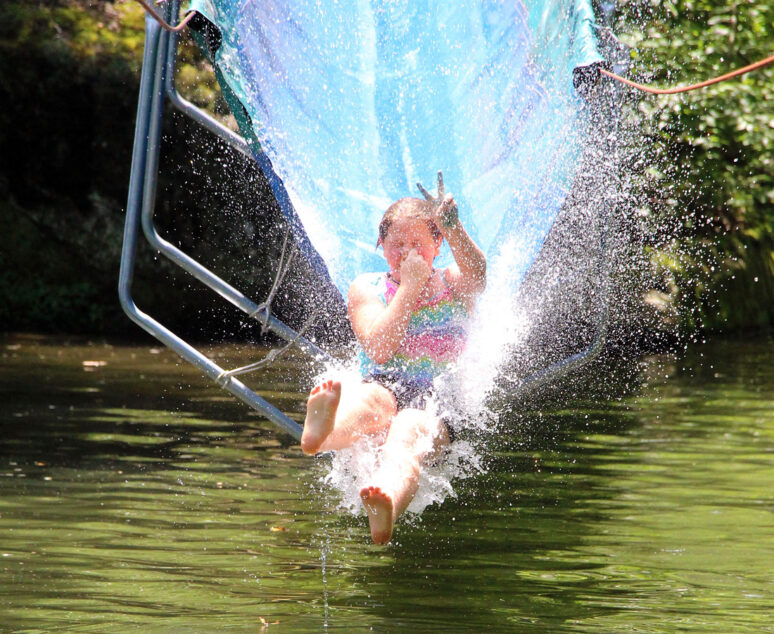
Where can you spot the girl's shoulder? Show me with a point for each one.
(369, 284)
(368, 280)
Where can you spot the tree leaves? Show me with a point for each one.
(721, 140)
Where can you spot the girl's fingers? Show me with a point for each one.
(424, 192)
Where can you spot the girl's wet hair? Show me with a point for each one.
(408, 208)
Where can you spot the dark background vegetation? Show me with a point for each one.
(69, 74)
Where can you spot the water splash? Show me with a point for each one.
(353, 468)
(591, 261)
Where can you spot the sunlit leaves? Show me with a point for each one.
(719, 142)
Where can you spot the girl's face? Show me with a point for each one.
(404, 235)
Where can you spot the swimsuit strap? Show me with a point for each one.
(446, 289)
(443, 279)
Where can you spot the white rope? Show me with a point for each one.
(263, 312)
(272, 356)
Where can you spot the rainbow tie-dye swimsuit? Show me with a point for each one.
(434, 339)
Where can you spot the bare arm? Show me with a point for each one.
(381, 329)
(469, 277)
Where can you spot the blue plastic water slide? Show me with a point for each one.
(350, 103)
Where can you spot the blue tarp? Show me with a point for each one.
(354, 101)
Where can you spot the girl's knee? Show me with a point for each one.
(371, 410)
(412, 424)
(379, 399)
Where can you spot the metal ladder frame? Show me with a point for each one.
(156, 84)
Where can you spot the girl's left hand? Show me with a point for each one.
(446, 215)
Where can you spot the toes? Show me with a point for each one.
(325, 386)
(320, 387)
(372, 492)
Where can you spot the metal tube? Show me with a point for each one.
(161, 68)
(206, 121)
(186, 107)
(137, 173)
(567, 365)
(141, 180)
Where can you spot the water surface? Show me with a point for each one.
(134, 494)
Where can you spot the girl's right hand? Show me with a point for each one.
(414, 270)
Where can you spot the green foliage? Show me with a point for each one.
(715, 184)
(112, 31)
(69, 75)
(45, 290)
(69, 72)
(65, 128)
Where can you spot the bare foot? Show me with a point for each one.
(381, 513)
(320, 415)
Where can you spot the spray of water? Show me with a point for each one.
(589, 271)
(591, 265)
(592, 259)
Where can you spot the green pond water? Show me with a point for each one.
(136, 496)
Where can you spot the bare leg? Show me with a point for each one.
(414, 436)
(321, 410)
(337, 418)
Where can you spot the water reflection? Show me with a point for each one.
(154, 501)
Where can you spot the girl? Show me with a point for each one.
(411, 324)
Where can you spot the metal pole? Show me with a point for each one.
(164, 65)
(141, 182)
(567, 365)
